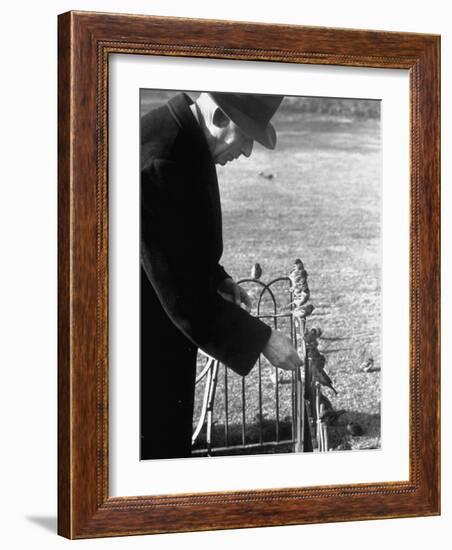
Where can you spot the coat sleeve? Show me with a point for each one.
(177, 265)
(221, 274)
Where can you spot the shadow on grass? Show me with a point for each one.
(339, 437)
(253, 434)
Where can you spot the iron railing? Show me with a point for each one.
(299, 431)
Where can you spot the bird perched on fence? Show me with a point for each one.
(314, 333)
(325, 403)
(300, 289)
(317, 358)
(318, 363)
(311, 337)
(304, 311)
(256, 271)
(311, 344)
(298, 264)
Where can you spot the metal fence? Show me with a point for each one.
(227, 429)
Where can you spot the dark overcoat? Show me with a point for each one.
(181, 310)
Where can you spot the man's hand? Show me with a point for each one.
(280, 352)
(234, 293)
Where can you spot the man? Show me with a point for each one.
(188, 301)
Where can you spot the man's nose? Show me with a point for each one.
(247, 147)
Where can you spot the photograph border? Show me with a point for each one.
(85, 41)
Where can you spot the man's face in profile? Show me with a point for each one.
(230, 140)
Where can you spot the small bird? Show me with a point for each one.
(299, 283)
(331, 417)
(317, 358)
(267, 175)
(367, 366)
(298, 272)
(316, 332)
(298, 264)
(317, 363)
(256, 271)
(311, 336)
(311, 345)
(304, 311)
(322, 377)
(325, 403)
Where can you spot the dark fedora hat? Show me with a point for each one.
(251, 113)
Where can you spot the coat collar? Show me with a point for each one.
(179, 107)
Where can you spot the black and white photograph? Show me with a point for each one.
(260, 274)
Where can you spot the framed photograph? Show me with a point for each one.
(248, 275)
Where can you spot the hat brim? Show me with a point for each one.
(265, 135)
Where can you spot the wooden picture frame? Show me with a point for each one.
(85, 42)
